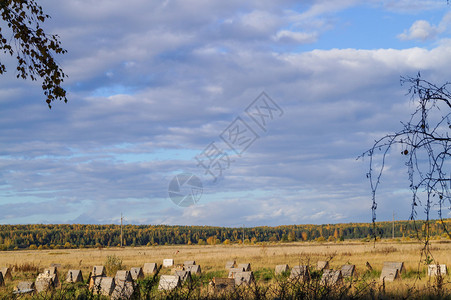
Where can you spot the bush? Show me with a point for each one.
(113, 264)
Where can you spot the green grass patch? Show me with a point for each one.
(264, 274)
(207, 276)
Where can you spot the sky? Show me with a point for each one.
(264, 105)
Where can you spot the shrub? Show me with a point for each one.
(113, 264)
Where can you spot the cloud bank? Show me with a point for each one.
(152, 84)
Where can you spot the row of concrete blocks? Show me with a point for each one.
(392, 271)
(121, 286)
(45, 281)
(122, 283)
(182, 274)
(136, 272)
(233, 265)
(239, 276)
(170, 282)
(240, 273)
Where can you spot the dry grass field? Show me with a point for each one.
(262, 257)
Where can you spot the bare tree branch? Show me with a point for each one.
(426, 146)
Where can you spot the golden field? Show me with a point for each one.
(260, 256)
(266, 256)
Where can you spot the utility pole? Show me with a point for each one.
(243, 234)
(121, 230)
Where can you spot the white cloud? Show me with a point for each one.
(286, 36)
(321, 8)
(420, 30)
(260, 21)
(445, 22)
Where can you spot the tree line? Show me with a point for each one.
(39, 236)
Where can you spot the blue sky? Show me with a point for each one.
(152, 84)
